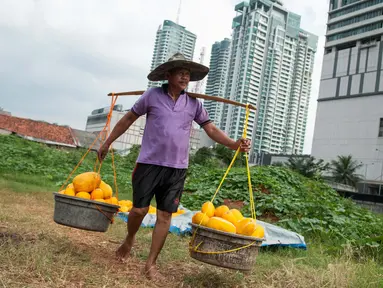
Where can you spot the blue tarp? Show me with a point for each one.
(180, 225)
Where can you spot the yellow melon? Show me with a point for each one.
(208, 208)
(114, 201)
(218, 223)
(109, 201)
(238, 215)
(200, 218)
(86, 182)
(84, 195)
(229, 216)
(259, 231)
(99, 200)
(239, 224)
(124, 209)
(152, 210)
(180, 211)
(97, 194)
(70, 185)
(70, 191)
(108, 192)
(127, 203)
(219, 211)
(62, 192)
(246, 226)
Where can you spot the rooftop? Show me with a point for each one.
(41, 131)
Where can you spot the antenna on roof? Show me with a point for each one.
(179, 12)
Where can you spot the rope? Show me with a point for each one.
(222, 252)
(97, 165)
(251, 196)
(110, 219)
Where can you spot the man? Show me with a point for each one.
(161, 165)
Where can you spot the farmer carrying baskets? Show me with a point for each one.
(163, 160)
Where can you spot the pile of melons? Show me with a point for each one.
(89, 186)
(228, 220)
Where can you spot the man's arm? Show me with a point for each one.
(220, 137)
(117, 131)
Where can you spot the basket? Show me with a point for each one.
(213, 240)
(82, 213)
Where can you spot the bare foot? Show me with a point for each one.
(122, 253)
(152, 273)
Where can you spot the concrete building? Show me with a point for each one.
(350, 104)
(133, 136)
(216, 80)
(271, 66)
(170, 39)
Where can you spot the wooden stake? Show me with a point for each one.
(194, 95)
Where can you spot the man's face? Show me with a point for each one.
(179, 78)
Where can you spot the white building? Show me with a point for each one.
(271, 67)
(133, 136)
(170, 39)
(350, 104)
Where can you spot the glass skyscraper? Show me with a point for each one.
(271, 65)
(216, 81)
(170, 39)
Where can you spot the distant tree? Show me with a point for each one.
(344, 170)
(307, 166)
(226, 155)
(203, 156)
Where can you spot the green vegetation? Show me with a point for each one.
(306, 206)
(53, 166)
(344, 240)
(308, 166)
(344, 170)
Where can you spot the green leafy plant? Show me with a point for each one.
(282, 196)
(307, 166)
(344, 170)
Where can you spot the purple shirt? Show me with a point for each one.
(168, 127)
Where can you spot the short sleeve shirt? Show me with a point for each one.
(168, 126)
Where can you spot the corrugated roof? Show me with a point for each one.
(37, 129)
(86, 139)
(48, 133)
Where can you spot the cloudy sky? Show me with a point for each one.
(60, 58)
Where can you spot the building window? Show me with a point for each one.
(356, 19)
(97, 119)
(353, 8)
(360, 30)
(380, 128)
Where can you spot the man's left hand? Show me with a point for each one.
(244, 145)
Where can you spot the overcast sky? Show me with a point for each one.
(59, 58)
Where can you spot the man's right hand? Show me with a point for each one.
(103, 151)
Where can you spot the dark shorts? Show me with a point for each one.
(165, 183)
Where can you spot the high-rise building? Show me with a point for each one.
(271, 66)
(216, 80)
(349, 118)
(170, 39)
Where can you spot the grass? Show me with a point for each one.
(36, 252)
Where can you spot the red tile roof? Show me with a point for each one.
(37, 129)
